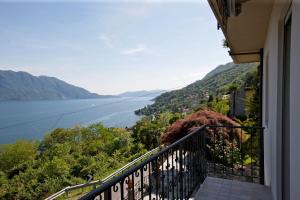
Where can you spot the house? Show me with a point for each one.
(265, 31)
(238, 101)
(268, 31)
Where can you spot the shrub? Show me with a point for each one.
(203, 117)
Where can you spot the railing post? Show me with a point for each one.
(142, 183)
(130, 189)
(203, 151)
(261, 157)
(181, 171)
(186, 151)
(107, 194)
(261, 136)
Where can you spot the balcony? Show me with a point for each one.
(212, 162)
(225, 189)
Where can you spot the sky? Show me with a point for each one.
(109, 47)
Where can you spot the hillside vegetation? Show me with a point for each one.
(142, 93)
(34, 170)
(24, 86)
(184, 126)
(37, 169)
(217, 82)
(66, 156)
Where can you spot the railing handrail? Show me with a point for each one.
(101, 181)
(130, 168)
(112, 182)
(229, 126)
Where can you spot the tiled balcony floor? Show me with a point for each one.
(223, 189)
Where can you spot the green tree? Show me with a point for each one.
(56, 168)
(12, 155)
(147, 132)
(30, 170)
(3, 178)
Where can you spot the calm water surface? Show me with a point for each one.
(32, 119)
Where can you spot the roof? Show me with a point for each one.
(245, 25)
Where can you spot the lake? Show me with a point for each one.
(32, 119)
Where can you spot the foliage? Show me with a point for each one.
(12, 155)
(64, 157)
(24, 86)
(219, 105)
(232, 87)
(225, 44)
(216, 83)
(223, 143)
(224, 151)
(203, 117)
(32, 170)
(149, 129)
(252, 103)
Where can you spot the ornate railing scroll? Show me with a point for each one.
(173, 173)
(235, 152)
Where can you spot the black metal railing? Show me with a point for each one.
(235, 152)
(173, 173)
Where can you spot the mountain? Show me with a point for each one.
(142, 93)
(24, 86)
(216, 82)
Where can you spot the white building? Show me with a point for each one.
(269, 31)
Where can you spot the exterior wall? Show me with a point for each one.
(295, 103)
(273, 62)
(237, 102)
(270, 108)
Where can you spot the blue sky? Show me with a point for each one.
(112, 46)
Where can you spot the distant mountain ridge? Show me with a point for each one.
(24, 86)
(142, 93)
(216, 82)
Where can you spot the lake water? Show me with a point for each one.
(32, 119)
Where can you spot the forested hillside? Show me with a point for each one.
(24, 86)
(34, 170)
(217, 82)
(66, 156)
(142, 93)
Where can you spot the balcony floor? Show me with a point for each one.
(223, 189)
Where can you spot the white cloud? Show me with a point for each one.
(139, 49)
(107, 40)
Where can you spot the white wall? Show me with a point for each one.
(273, 52)
(295, 104)
(271, 72)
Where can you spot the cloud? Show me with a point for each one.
(139, 49)
(107, 40)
